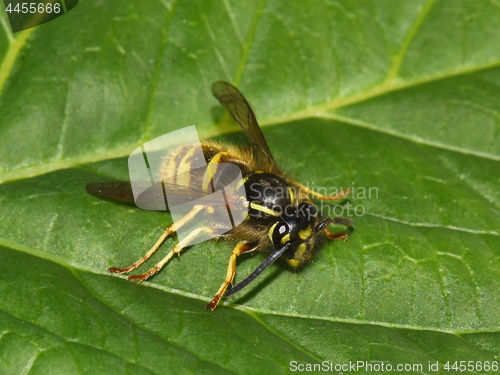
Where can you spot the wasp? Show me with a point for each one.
(280, 219)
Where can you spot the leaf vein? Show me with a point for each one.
(398, 59)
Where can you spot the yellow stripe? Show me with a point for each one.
(305, 233)
(301, 250)
(171, 165)
(285, 239)
(209, 174)
(292, 194)
(183, 176)
(271, 230)
(264, 209)
(240, 183)
(298, 256)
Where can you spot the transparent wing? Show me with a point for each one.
(178, 194)
(235, 103)
(117, 190)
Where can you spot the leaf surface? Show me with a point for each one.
(395, 100)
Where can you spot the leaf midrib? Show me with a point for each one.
(391, 84)
(318, 111)
(72, 266)
(15, 48)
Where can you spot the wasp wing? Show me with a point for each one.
(116, 190)
(177, 194)
(235, 103)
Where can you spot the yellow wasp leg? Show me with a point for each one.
(170, 230)
(175, 250)
(305, 189)
(231, 271)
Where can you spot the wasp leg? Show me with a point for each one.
(175, 250)
(240, 248)
(336, 236)
(315, 194)
(170, 230)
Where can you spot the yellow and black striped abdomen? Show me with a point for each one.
(186, 165)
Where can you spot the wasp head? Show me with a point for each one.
(296, 225)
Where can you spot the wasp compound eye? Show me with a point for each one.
(280, 233)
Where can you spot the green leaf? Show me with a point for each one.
(397, 101)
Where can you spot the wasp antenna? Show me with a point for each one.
(247, 280)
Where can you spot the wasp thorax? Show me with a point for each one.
(268, 196)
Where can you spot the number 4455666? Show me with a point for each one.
(34, 8)
(471, 366)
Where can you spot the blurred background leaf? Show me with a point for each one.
(395, 100)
